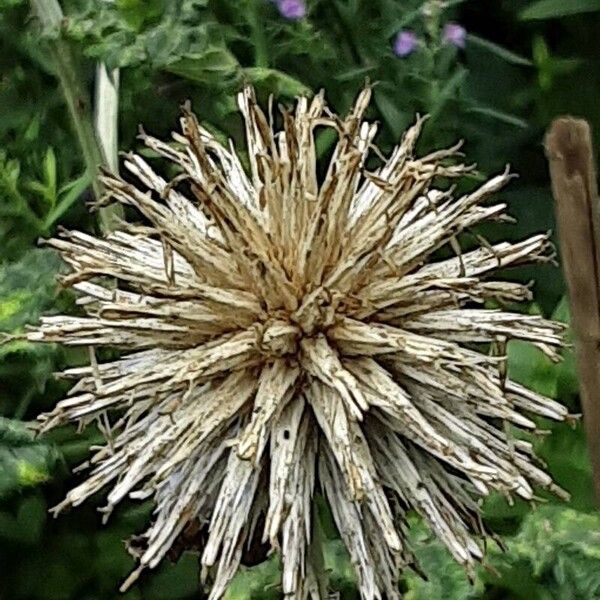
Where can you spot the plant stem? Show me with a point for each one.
(347, 28)
(316, 557)
(50, 15)
(257, 35)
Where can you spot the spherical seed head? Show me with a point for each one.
(284, 333)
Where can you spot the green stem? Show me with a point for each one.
(316, 556)
(50, 15)
(24, 404)
(348, 31)
(257, 35)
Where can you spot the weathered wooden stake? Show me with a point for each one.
(577, 205)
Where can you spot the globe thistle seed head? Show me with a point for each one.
(283, 334)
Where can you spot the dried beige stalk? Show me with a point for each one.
(284, 334)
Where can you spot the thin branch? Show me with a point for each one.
(50, 14)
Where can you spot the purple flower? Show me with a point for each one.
(292, 9)
(454, 34)
(405, 43)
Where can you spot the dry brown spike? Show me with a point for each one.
(283, 334)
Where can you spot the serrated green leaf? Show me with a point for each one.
(24, 461)
(139, 12)
(259, 582)
(12, 304)
(14, 433)
(29, 473)
(216, 66)
(559, 547)
(446, 579)
(26, 288)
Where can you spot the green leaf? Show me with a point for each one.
(503, 53)
(551, 9)
(261, 581)
(445, 94)
(13, 202)
(394, 118)
(12, 304)
(173, 581)
(394, 25)
(69, 194)
(567, 380)
(566, 454)
(558, 547)
(324, 141)
(24, 461)
(139, 12)
(26, 288)
(529, 366)
(548, 66)
(26, 527)
(216, 66)
(499, 115)
(50, 173)
(446, 579)
(275, 82)
(354, 73)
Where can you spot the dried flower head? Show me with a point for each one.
(285, 333)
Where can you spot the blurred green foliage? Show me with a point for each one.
(525, 61)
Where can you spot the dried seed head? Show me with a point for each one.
(282, 334)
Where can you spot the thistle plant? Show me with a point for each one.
(285, 333)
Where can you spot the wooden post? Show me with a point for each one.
(577, 205)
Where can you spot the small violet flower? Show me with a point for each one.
(455, 35)
(292, 9)
(405, 43)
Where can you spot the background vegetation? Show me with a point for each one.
(523, 62)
